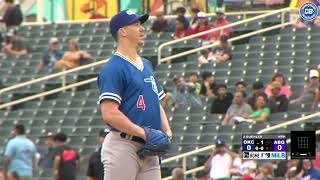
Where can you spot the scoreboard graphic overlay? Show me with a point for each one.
(264, 146)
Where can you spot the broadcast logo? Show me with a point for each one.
(308, 11)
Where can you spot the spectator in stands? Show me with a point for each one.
(219, 22)
(257, 90)
(261, 111)
(239, 107)
(194, 82)
(67, 160)
(185, 95)
(194, 18)
(241, 86)
(284, 89)
(160, 24)
(277, 102)
(220, 53)
(223, 101)
(13, 14)
(202, 25)
(52, 55)
(245, 168)
(219, 162)
(308, 171)
(294, 169)
(182, 28)
(208, 87)
(265, 172)
(74, 57)
(310, 93)
(95, 167)
(47, 160)
(14, 44)
(177, 174)
(181, 11)
(20, 154)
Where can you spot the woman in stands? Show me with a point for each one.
(182, 28)
(262, 112)
(285, 89)
(73, 57)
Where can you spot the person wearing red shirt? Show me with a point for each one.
(202, 26)
(219, 22)
(182, 28)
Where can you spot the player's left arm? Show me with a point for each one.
(164, 121)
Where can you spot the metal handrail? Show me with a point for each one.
(59, 74)
(282, 11)
(46, 93)
(191, 171)
(302, 119)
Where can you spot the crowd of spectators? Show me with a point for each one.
(241, 104)
(199, 22)
(22, 161)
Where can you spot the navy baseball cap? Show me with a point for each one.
(220, 142)
(125, 18)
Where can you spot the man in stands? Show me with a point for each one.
(219, 162)
(208, 86)
(52, 55)
(241, 86)
(46, 161)
(160, 24)
(222, 52)
(184, 94)
(14, 44)
(202, 25)
(223, 101)
(219, 22)
(258, 89)
(12, 15)
(95, 167)
(67, 160)
(20, 154)
(239, 107)
(277, 102)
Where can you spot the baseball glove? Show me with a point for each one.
(157, 143)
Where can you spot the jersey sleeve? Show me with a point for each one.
(161, 92)
(10, 149)
(111, 84)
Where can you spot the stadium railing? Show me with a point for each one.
(184, 156)
(63, 74)
(166, 59)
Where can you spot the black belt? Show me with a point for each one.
(132, 138)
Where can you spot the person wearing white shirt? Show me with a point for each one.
(219, 162)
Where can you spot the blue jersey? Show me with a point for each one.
(134, 88)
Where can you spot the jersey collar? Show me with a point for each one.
(138, 66)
